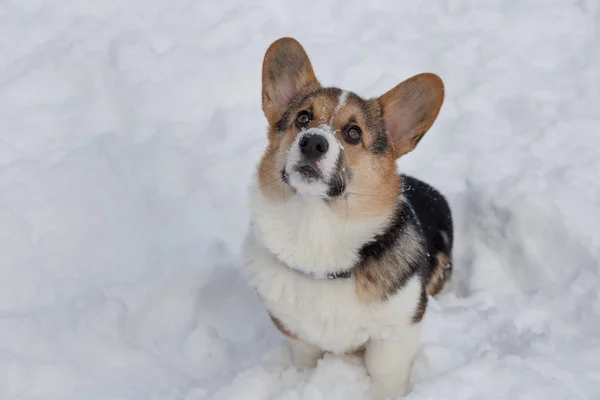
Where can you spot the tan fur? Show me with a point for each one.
(269, 169)
(371, 284)
(282, 328)
(375, 187)
(440, 274)
(373, 191)
(410, 108)
(286, 70)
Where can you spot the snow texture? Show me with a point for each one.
(129, 132)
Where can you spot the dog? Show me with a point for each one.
(342, 250)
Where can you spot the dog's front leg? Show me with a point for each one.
(305, 354)
(389, 363)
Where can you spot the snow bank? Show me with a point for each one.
(128, 136)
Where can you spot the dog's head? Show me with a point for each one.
(331, 143)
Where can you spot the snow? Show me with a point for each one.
(129, 132)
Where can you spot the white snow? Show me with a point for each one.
(129, 132)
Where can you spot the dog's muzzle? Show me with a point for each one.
(312, 161)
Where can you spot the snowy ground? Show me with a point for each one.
(128, 135)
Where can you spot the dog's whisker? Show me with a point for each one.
(364, 194)
(346, 221)
(269, 161)
(395, 184)
(271, 182)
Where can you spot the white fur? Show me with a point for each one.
(327, 164)
(306, 235)
(390, 362)
(341, 101)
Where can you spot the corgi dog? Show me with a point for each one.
(343, 250)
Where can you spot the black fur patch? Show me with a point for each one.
(421, 306)
(382, 243)
(337, 184)
(434, 214)
(284, 176)
(380, 144)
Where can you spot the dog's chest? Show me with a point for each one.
(327, 313)
(306, 234)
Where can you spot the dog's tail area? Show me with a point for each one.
(441, 270)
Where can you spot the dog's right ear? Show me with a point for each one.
(410, 109)
(286, 71)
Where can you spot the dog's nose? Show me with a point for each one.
(313, 146)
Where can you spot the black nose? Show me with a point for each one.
(313, 146)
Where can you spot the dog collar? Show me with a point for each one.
(324, 275)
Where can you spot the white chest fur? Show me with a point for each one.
(305, 234)
(326, 313)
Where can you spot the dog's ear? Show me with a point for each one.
(410, 109)
(286, 71)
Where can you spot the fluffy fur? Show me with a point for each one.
(341, 207)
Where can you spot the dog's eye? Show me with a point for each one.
(352, 134)
(303, 119)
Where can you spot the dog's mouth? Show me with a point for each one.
(308, 180)
(308, 172)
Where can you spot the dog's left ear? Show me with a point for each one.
(286, 71)
(410, 109)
